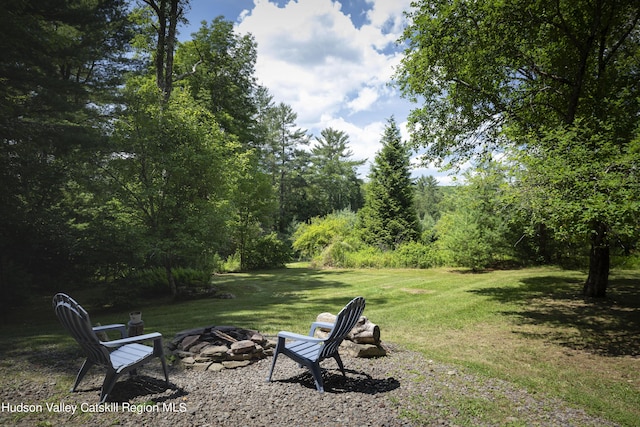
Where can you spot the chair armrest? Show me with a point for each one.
(139, 338)
(119, 326)
(299, 337)
(324, 325)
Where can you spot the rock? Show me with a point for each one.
(232, 364)
(258, 339)
(188, 341)
(180, 335)
(241, 356)
(362, 350)
(189, 360)
(215, 367)
(197, 348)
(214, 350)
(244, 346)
(202, 366)
(202, 359)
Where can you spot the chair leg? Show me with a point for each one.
(317, 376)
(273, 362)
(107, 385)
(81, 373)
(164, 368)
(340, 365)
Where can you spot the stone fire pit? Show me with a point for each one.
(214, 348)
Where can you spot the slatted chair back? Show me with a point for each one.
(76, 321)
(345, 321)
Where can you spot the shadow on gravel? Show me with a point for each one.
(142, 385)
(130, 388)
(607, 327)
(355, 382)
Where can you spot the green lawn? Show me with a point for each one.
(528, 326)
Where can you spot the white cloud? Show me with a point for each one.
(366, 97)
(311, 56)
(330, 71)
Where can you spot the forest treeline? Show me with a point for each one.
(134, 160)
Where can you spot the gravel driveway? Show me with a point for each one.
(402, 389)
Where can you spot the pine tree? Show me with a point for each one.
(388, 217)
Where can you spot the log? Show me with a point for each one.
(368, 333)
(364, 332)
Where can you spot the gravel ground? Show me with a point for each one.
(402, 389)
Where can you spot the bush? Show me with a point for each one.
(268, 252)
(231, 264)
(153, 283)
(312, 239)
(464, 242)
(369, 257)
(415, 255)
(352, 253)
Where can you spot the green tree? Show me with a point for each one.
(517, 75)
(428, 196)
(217, 66)
(157, 38)
(311, 238)
(388, 217)
(253, 205)
(474, 229)
(285, 161)
(170, 170)
(334, 177)
(60, 64)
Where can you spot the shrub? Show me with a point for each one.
(312, 239)
(153, 283)
(463, 241)
(268, 252)
(415, 255)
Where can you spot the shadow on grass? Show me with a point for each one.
(607, 327)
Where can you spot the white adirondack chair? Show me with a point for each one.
(310, 351)
(117, 356)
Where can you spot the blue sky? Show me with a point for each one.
(331, 61)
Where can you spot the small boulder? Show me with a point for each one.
(244, 346)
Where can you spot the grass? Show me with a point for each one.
(530, 327)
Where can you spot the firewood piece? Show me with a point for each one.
(368, 333)
(364, 332)
(223, 336)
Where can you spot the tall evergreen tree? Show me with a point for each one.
(428, 197)
(61, 61)
(285, 160)
(334, 179)
(388, 217)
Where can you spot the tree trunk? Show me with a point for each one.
(596, 284)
